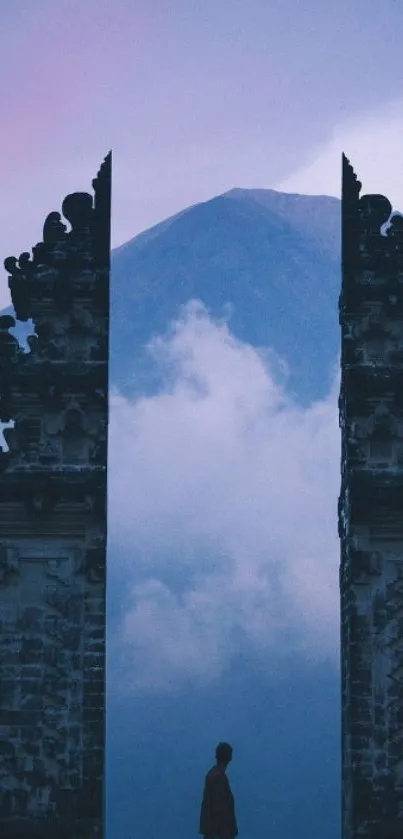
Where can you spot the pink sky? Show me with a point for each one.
(193, 98)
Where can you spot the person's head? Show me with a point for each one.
(223, 754)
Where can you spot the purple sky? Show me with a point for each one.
(194, 99)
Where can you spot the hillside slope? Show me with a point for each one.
(270, 258)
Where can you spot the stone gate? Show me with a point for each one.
(53, 527)
(371, 514)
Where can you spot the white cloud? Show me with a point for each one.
(373, 143)
(223, 513)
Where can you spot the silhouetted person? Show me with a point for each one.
(217, 817)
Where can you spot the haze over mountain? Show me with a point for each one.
(222, 547)
(267, 258)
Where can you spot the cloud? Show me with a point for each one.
(223, 513)
(372, 142)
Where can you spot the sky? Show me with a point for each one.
(193, 99)
(223, 512)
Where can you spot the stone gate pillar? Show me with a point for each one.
(53, 527)
(371, 514)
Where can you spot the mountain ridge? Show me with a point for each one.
(270, 258)
(269, 197)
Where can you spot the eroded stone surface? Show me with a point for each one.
(370, 514)
(53, 528)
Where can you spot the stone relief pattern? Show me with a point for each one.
(52, 596)
(370, 523)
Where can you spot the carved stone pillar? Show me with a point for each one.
(53, 528)
(371, 514)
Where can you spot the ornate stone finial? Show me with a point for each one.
(53, 229)
(375, 211)
(9, 346)
(396, 227)
(25, 262)
(102, 225)
(86, 244)
(6, 322)
(77, 208)
(9, 352)
(350, 216)
(350, 184)
(10, 264)
(104, 173)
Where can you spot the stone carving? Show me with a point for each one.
(9, 347)
(8, 566)
(374, 212)
(94, 565)
(351, 184)
(54, 231)
(371, 422)
(53, 524)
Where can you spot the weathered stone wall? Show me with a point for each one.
(371, 515)
(53, 528)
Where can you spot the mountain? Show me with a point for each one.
(271, 259)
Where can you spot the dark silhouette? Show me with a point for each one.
(217, 817)
(370, 513)
(53, 526)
